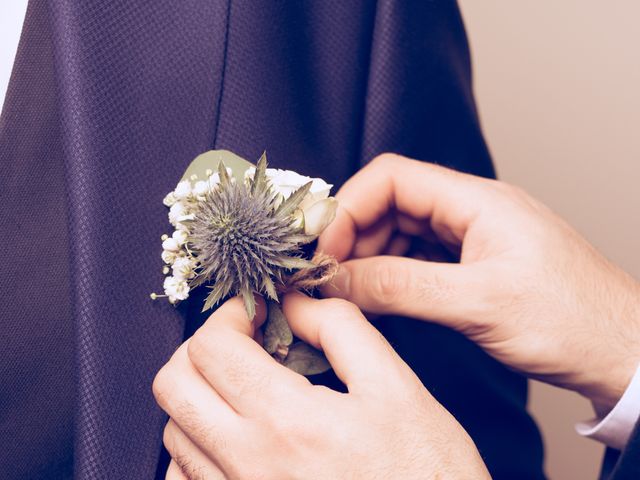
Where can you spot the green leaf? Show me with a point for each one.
(293, 263)
(210, 161)
(269, 288)
(218, 291)
(291, 203)
(260, 178)
(277, 331)
(222, 172)
(306, 360)
(249, 302)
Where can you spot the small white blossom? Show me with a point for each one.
(180, 236)
(176, 289)
(318, 216)
(183, 268)
(171, 244)
(183, 226)
(183, 190)
(169, 200)
(201, 188)
(177, 211)
(169, 256)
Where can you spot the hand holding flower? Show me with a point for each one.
(236, 413)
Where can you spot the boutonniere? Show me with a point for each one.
(241, 229)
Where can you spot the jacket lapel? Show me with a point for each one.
(139, 86)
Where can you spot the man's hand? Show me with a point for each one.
(236, 413)
(527, 287)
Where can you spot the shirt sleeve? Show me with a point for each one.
(615, 428)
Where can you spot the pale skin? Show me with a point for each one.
(526, 287)
(237, 414)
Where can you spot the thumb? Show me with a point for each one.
(361, 357)
(445, 293)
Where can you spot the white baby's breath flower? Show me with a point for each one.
(169, 200)
(183, 268)
(201, 188)
(177, 211)
(180, 236)
(176, 289)
(171, 244)
(183, 190)
(169, 256)
(318, 216)
(183, 226)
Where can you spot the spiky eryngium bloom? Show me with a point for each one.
(245, 240)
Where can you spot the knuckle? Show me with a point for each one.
(161, 386)
(198, 346)
(386, 283)
(168, 439)
(386, 160)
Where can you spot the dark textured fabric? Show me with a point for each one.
(623, 465)
(108, 103)
(36, 331)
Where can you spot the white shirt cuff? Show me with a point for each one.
(615, 429)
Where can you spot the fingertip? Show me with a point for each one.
(236, 307)
(337, 327)
(339, 237)
(233, 313)
(299, 310)
(295, 300)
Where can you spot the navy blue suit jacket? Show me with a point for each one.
(107, 104)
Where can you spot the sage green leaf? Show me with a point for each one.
(306, 360)
(290, 204)
(249, 302)
(218, 291)
(269, 288)
(277, 331)
(259, 183)
(293, 263)
(210, 161)
(222, 173)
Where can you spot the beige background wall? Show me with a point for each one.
(558, 86)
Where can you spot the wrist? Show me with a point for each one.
(605, 391)
(614, 361)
